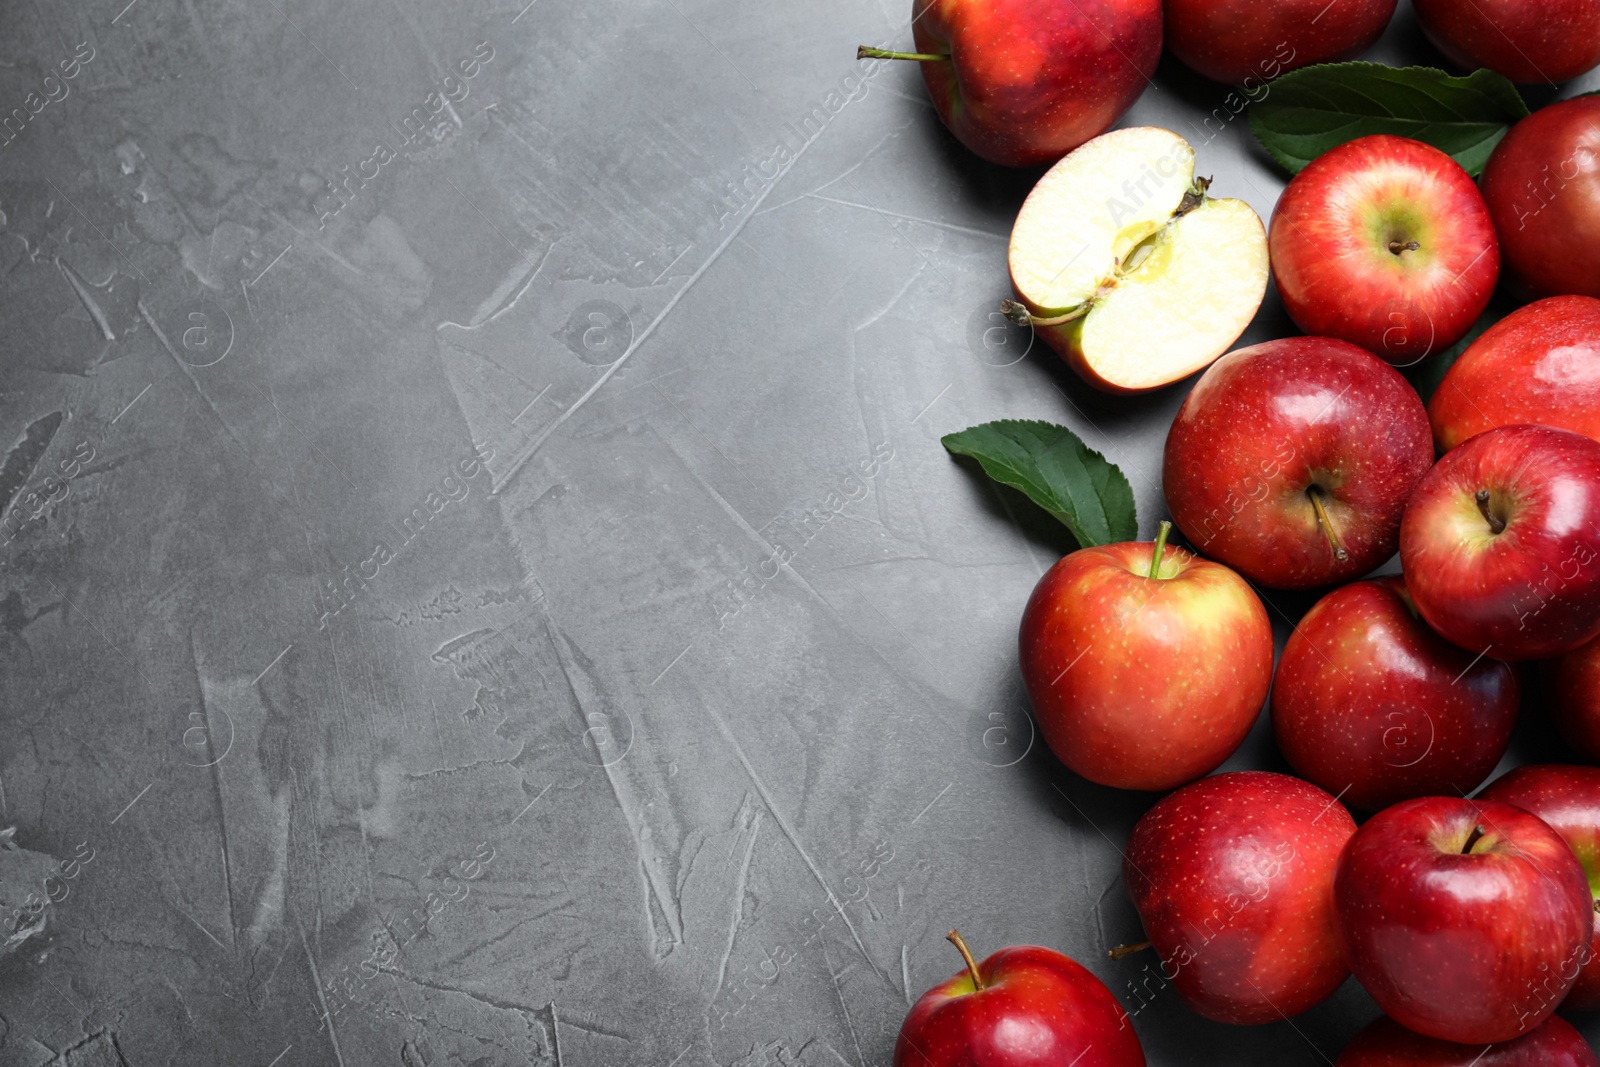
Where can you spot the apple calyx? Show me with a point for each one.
(1315, 492)
(1122, 952)
(867, 52)
(954, 938)
(1155, 556)
(1472, 839)
(1497, 524)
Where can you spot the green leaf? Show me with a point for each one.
(1308, 111)
(1057, 471)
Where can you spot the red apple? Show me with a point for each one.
(1291, 461)
(1542, 185)
(1462, 918)
(1541, 363)
(1385, 1043)
(1574, 687)
(1144, 677)
(1384, 242)
(1372, 705)
(1551, 41)
(1233, 879)
(1022, 1007)
(1024, 82)
(1500, 539)
(1125, 264)
(1568, 799)
(1238, 40)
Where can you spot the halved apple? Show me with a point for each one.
(1127, 268)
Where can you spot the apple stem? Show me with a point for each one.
(1496, 523)
(1124, 951)
(1472, 839)
(966, 954)
(1018, 313)
(865, 52)
(1161, 547)
(1315, 493)
(1403, 246)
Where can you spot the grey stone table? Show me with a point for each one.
(481, 584)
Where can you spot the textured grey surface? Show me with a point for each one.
(575, 771)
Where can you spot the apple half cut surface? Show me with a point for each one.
(1127, 268)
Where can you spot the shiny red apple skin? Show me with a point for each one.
(1263, 425)
(1539, 364)
(1466, 947)
(1333, 247)
(1139, 682)
(1030, 80)
(1573, 682)
(1233, 879)
(1568, 799)
(1533, 590)
(1372, 705)
(1385, 1043)
(1038, 1009)
(1542, 185)
(1246, 43)
(1551, 41)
